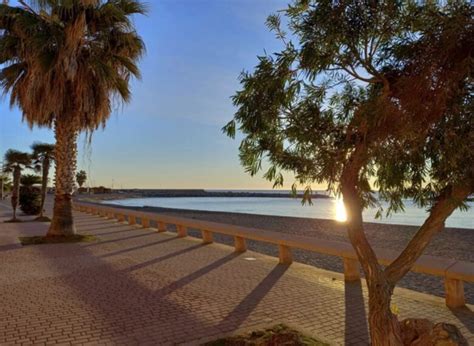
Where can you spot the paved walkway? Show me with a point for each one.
(136, 286)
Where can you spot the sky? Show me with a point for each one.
(170, 136)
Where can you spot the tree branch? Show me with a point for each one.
(354, 74)
(27, 7)
(443, 208)
(369, 67)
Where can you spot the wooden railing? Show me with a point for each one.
(454, 272)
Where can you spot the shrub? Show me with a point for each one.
(30, 200)
(30, 180)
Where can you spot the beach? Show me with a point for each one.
(456, 243)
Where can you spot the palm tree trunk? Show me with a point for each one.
(62, 223)
(16, 190)
(44, 184)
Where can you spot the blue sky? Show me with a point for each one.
(169, 135)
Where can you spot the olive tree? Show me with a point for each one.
(367, 97)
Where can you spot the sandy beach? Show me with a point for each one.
(454, 243)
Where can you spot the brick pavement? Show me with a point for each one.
(136, 286)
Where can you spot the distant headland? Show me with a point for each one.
(211, 193)
(106, 193)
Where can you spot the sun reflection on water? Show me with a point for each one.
(341, 215)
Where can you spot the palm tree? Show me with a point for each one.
(5, 184)
(15, 162)
(65, 62)
(43, 156)
(81, 178)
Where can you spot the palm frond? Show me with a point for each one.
(40, 151)
(16, 158)
(69, 58)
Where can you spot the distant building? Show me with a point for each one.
(100, 190)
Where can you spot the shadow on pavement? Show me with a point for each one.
(356, 319)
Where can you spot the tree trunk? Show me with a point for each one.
(15, 190)
(384, 325)
(44, 184)
(62, 223)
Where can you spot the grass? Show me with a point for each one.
(13, 221)
(277, 335)
(43, 219)
(38, 240)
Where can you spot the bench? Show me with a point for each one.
(454, 272)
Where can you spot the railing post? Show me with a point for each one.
(120, 217)
(284, 254)
(110, 215)
(351, 269)
(132, 220)
(182, 231)
(145, 223)
(454, 290)
(161, 226)
(207, 237)
(89, 210)
(240, 245)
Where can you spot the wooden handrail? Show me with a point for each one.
(454, 272)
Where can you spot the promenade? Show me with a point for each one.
(135, 286)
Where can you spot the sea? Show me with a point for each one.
(322, 208)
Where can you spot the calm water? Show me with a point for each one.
(321, 208)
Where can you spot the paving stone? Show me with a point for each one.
(137, 286)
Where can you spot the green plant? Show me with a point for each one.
(277, 335)
(5, 184)
(30, 200)
(75, 238)
(30, 180)
(81, 178)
